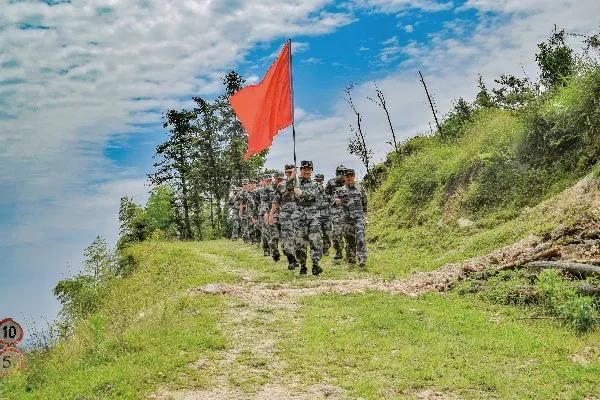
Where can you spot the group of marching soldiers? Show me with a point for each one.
(296, 213)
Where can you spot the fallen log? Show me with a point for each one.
(573, 268)
(588, 290)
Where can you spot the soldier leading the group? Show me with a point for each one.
(286, 206)
(308, 226)
(353, 199)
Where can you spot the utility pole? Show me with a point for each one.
(430, 103)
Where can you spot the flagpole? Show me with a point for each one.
(292, 95)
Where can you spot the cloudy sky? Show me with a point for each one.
(83, 85)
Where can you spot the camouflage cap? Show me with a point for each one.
(277, 174)
(306, 164)
(245, 181)
(319, 177)
(267, 177)
(252, 180)
(349, 172)
(289, 167)
(340, 170)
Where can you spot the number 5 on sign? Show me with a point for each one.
(11, 332)
(10, 358)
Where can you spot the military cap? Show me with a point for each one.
(319, 177)
(252, 180)
(289, 166)
(340, 170)
(277, 174)
(305, 163)
(245, 181)
(349, 172)
(267, 176)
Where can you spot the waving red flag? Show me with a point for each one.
(266, 108)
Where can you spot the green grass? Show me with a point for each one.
(145, 333)
(385, 346)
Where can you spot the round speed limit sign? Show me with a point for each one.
(11, 332)
(10, 359)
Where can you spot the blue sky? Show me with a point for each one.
(83, 85)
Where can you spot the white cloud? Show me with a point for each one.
(395, 6)
(409, 28)
(391, 50)
(312, 60)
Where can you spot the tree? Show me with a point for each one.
(380, 102)
(99, 261)
(555, 59)
(513, 92)
(356, 144)
(159, 210)
(134, 225)
(175, 165)
(484, 98)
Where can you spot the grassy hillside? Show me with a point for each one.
(152, 337)
(446, 199)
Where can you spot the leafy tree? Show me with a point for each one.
(484, 99)
(159, 210)
(98, 259)
(455, 121)
(556, 60)
(175, 164)
(134, 225)
(513, 92)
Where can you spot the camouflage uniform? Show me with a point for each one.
(265, 206)
(248, 215)
(287, 205)
(234, 204)
(324, 207)
(354, 201)
(308, 226)
(274, 228)
(337, 212)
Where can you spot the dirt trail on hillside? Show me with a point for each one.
(255, 315)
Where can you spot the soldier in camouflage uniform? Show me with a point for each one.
(244, 214)
(337, 212)
(353, 199)
(308, 226)
(285, 205)
(273, 217)
(255, 198)
(324, 206)
(263, 214)
(234, 204)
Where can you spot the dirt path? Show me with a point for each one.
(255, 319)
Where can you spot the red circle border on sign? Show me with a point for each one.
(21, 333)
(9, 348)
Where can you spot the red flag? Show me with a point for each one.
(266, 108)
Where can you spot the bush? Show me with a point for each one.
(580, 313)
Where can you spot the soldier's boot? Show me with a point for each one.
(316, 270)
(362, 264)
(292, 264)
(338, 255)
(303, 270)
(266, 252)
(276, 256)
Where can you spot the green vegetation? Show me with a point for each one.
(142, 333)
(384, 346)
